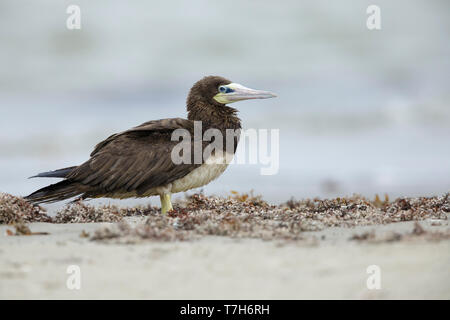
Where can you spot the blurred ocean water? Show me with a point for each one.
(359, 111)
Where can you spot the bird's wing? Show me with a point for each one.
(134, 160)
(161, 126)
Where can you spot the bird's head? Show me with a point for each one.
(219, 91)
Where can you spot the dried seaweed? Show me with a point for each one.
(80, 212)
(236, 216)
(156, 229)
(15, 210)
(243, 218)
(418, 233)
(23, 230)
(357, 210)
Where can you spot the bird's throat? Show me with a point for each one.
(215, 116)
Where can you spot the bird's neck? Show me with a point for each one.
(213, 116)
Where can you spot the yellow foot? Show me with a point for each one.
(166, 204)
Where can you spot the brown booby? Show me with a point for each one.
(139, 162)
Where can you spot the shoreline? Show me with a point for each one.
(235, 249)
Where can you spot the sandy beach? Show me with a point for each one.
(128, 261)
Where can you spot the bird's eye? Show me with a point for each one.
(225, 89)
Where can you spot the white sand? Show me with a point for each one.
(223, 268)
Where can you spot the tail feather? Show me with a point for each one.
(60, 173)
(62, 190)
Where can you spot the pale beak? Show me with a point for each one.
(243, 93)
(238, 92)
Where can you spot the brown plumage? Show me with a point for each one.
(137, 162)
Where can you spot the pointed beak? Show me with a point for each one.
(237, 92)
(243, 93)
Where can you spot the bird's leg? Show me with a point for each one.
(166, 204)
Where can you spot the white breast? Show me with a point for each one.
(212, 168)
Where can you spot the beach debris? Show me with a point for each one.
(248, 216)
(139, 211)
(15, 209)
(84, 234)
(417, 233)
(21, 229)
(243, 217)
(418, 229)
(357, 210)
(380, 204)
(154, 229)
(248, 197)
(437, 222)
(80, 212)
(368, 235)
